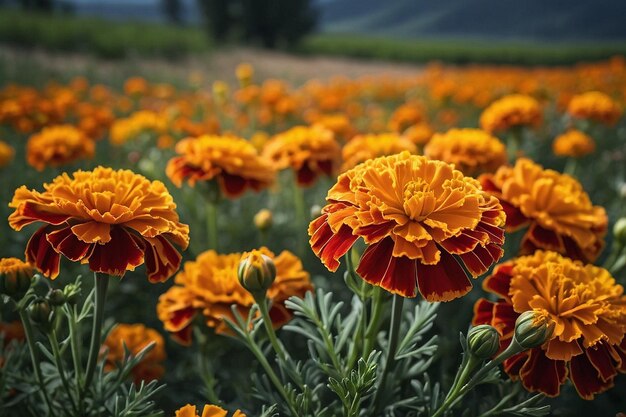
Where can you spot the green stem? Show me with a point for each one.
(513, 145)
(467, 367)
(207, 374)
(570, 167)
(261, 301)
(74, 343)
(34, 357)
(211, 223)
(298, 199)
(101, 284)
(374, 324)
(394, 333)
(359, 336)
(272, 375)
(54, 343)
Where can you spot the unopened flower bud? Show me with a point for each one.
(41, 312)
(256, 272)
(56, 298)
(532, 329)
(483, 341)
(15, 277)
(619, 231)
(263, 219)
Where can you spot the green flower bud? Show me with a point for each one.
(263, 219)
(256, 272)
(483, 341)
(41, 313)
(56, 297)
(15, 277)
(71, 293)
(619, 231)
(532, 329)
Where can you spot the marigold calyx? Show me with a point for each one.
(619, 231)
(483, 341)
(256, 272)
(532, 329)
(41, 313)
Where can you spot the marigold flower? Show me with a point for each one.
(574, 144)
(136, 86)
(419, 133)
(587, 309)
(364, 147)
(406, 115)
(208, 411)
(135, 337)
(232, 161)
(309, 151)
(112, 220)
(472, 151)
(423, 220)
(209, 286)
(58, 145)
(124, 130)
(6, 154)
(555, 206)
(595, 106)
(15, 277)
(510, 111)
(244, 73)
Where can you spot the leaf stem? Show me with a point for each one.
(101, 282)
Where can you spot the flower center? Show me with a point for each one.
(419, 199)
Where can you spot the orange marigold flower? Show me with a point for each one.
(595, 106)
(58, 145)
(555, 206)
(208, 411)
(135, 337)
(472, 151)
(364, 147)
(112, 220)
(423, 220)
(209, 286)
(244, 73)
(406, 115)
(13, 330)
(232, 161)
(124, 130)
(136, 86)
(419, 133)
(574, 144)
(587, 307)
(510, 111)
(6, 154)
(309, 151)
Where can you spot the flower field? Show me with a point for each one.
(447, 243)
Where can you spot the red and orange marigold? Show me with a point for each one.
(233, 162)
(112, 220)
(309, 151)
(424, 222)
(209, 286)
(207, 411)
(554, 206)
(587, 307)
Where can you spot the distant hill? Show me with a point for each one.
(511, 19)
(559, 20)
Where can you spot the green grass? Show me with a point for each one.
(459, 51)
(100, 37)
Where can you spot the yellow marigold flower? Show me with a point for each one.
(139, 122)
(555, 206)
(244, 73)
(406, 115)
(6, 154)
(208, 411)
(364, 147)
(586, 308)
(232, 161)
(338, 123)
(309, 151)
(595, 106)
(574, 144)
(112, 220)
(209, 286)
(424, 222)
(58, 145)
(419, 133)
(472, 151)
(135, 337)
(511, 111)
